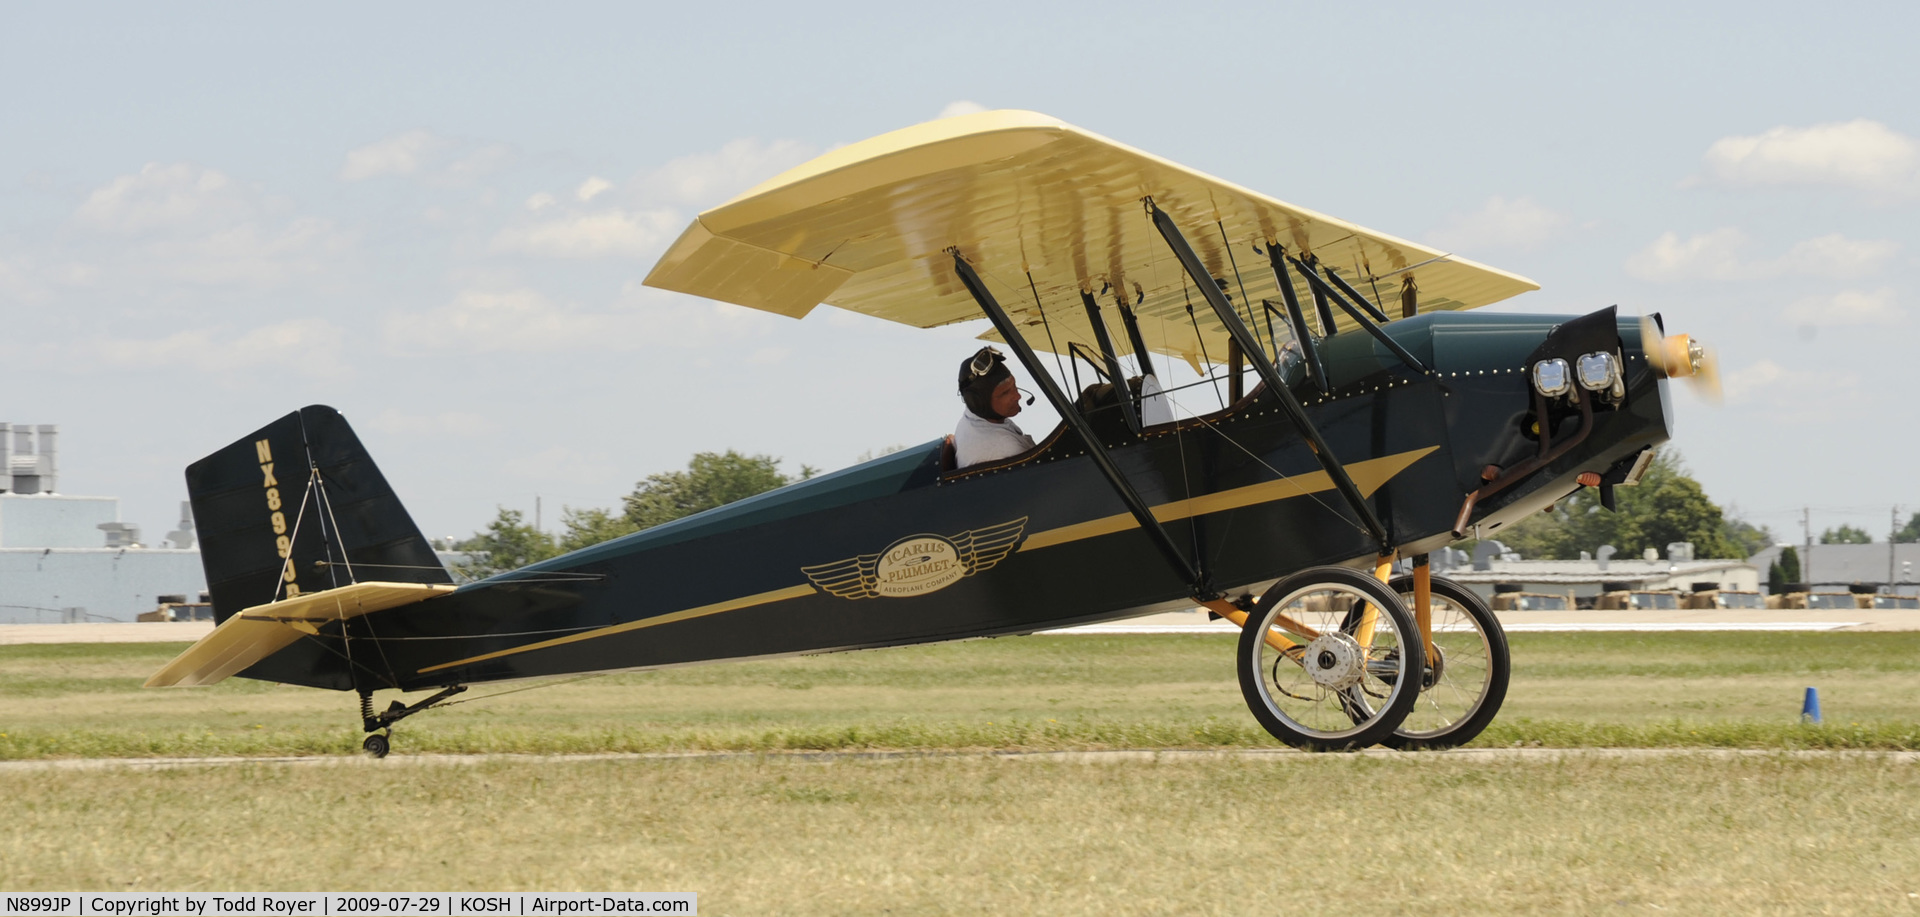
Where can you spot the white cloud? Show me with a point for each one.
(1796, 396)
(483, 161)
(167, 197)
(1719, 255)
(1499, 223)
(1835, 255)
(17, 282)
(401, 154)
(445, 423)
(249, 255)
(1712, 256)
(307, 346)
(560, 463)
(616, 233)
(1847, 307)
(184, 223)
(515, 321)
(591, 188)
(768, 356)
(1767, 377)
(637, 219)
(1862, 154)
(705, 179)
(960, 107)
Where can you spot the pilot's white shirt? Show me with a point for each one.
(978, 439)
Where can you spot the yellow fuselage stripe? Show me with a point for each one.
(747, 601)
(1368, 476)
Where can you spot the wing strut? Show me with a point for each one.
(1140, 352)
(1297, 318)
(1323, 291)
(1251, 347)
(1195, 577)
(1105, 340)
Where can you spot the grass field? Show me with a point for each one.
(1536, 831)
(1059, 692)
(1564, 832)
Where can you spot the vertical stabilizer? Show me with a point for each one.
(296, 507)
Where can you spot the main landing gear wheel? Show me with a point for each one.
(1463, 692)
(1341, 676)
(376, 745)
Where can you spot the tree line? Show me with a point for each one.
(1667, 506)
(712, 479)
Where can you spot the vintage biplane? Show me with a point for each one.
(1346, 412)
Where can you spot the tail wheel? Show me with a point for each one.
(376, 745)
(1464, 689)
(1329, 660)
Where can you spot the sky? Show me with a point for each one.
(436, 217)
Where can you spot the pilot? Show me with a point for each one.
(987, 432)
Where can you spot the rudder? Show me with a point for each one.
(295, 507)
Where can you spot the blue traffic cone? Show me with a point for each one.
(1810, 708)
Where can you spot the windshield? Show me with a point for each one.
(1740, 600)
(1831, 600)
(1896, 601)
(1542, 603)
(1655, 600)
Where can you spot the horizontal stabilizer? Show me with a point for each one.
(260, 631)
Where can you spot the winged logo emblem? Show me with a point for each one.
(918, 564)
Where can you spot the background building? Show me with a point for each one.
(66, 558)
(1894, 566)
(1491, 564)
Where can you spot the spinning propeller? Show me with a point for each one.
(1680, 355)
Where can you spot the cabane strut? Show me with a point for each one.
(1250, 347)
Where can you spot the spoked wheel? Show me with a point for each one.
(1464, 689)
(1324, 660)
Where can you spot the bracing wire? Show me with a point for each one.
(543, 684)
(1048, 326)
(330, 522)
(1186, 290)
(1365, 268)
(1275, 471)
(1252, 321)
(326, 505)
(293, 539)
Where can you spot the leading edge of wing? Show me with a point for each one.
(866, 227)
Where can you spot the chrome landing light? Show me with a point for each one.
(1551, 377)
(1599, 372)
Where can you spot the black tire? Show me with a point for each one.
(376, 745)
(1338, 693)
(1472, 681)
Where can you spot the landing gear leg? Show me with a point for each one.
(381, 725)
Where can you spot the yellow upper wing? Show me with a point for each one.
(1043, 210)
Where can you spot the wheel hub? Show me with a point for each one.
(1335, 661)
